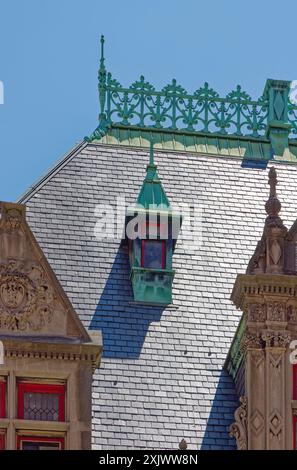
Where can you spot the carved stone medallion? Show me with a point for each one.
(12, 292)
(26, 298)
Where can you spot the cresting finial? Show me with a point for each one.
(102, 58)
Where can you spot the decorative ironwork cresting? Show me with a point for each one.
(203, 111)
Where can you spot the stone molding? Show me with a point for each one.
(31, 349)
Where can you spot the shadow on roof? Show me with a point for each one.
(256, 164)
(124, 324)
(221, 416)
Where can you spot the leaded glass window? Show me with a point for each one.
(41, 402)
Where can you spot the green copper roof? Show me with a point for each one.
(258, 150)
(272, 118)
(152, 194)
(235, 355)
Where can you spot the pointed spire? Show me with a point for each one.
(268, 256)
(152, 192)
(273, 205)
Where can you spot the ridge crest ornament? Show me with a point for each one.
(26, 299)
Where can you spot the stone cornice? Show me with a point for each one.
(268, 285)
(53, 350)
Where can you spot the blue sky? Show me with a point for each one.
(49, 56)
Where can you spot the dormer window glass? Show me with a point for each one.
(153, 254)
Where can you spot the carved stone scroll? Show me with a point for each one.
(238, 429)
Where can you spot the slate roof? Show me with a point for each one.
(162, 376)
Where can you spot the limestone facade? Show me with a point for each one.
(49, 357)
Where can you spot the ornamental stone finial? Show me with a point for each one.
(272, 181)
(273, 205)
(269, 254)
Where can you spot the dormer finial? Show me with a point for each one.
(152, 153)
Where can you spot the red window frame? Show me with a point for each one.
(2, 398)
(160, 230)
(163, 261)
(2, 440)
(21, 439)
(25, 387)
(295, 382)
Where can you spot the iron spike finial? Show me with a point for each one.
(102, 58)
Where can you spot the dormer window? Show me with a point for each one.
(153, 254)
(151, 251)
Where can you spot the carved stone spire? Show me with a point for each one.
(269, 254)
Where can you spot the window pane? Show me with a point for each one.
(41, 402)
(41, 406)
(153, 254)
(41, 444)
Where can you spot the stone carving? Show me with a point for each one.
(275, 311)
(292, 314)
(12, 219)
(26, 299)
(257, 357)
(250, 340)
(275, 252)
(275, 360)
(12, 292)
(273, 205)
(257, 422)
(238, 429)
(256, 313)
(257, 262)
(276, 339)
(275, 429)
